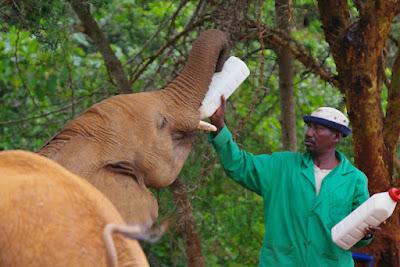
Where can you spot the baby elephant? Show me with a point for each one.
(51, 217)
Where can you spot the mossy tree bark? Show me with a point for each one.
(288, 118)
(358, 47)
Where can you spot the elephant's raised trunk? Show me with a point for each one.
(207, 56)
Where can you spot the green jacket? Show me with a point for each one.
(297, 222)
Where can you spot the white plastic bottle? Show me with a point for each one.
(372, 212)
(225, 82)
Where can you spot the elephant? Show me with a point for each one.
(51, 217)
(129, 143)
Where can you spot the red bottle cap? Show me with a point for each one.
(394, 193)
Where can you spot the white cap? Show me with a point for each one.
(331, 118)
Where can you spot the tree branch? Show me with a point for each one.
(278, 39)
(60, 110)
(335, 19)
(156, 33)
(230, 20)
(172, 20)
(142, 67)
(65, 108)
(186, 224)
(372, 31)
(360, 5)
(21, 77)
(92, 29)
(197, 13)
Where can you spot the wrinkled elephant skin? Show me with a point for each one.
(127, 143)
(120, 146)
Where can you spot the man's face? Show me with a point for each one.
(319, 139)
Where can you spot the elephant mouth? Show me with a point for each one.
(184, 137)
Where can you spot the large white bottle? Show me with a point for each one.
(372, 212)
(225, 82)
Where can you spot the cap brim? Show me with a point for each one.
(330, 124)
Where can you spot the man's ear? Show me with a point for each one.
(337, 137)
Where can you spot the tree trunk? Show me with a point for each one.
(370, 154)
(288, 119)
(227, 21)
(357, 48)
(92, 29)
(230, 16)
(186, 225)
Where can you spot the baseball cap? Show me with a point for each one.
(331, 118)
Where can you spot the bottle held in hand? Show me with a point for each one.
(225, 82)
(372, 212)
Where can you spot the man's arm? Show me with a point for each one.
(239, 165)
(243, 167)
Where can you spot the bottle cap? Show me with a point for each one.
(394, 193)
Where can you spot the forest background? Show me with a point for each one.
(57, 58)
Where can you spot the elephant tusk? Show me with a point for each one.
(205, 126)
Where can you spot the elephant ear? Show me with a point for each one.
(53, 144)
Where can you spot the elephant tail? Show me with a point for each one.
(134, 232)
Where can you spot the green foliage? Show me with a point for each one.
(50, 72)
(43, 88)
(43, 19)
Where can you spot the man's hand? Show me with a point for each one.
(217, 119)
(370, 231)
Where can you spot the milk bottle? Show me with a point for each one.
(372, 212)
(225, 82)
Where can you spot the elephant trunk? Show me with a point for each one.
(207, 56)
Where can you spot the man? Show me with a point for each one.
(304, 194)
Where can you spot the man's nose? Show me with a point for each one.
(309, 131)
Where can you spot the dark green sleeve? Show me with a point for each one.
(243, 167)
(361, 194)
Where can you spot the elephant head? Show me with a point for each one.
(127, 143)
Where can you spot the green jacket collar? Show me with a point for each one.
(343, 168)
(337, 177)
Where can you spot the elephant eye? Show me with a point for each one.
(123, 167)
(162, 122)
(178, 135)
